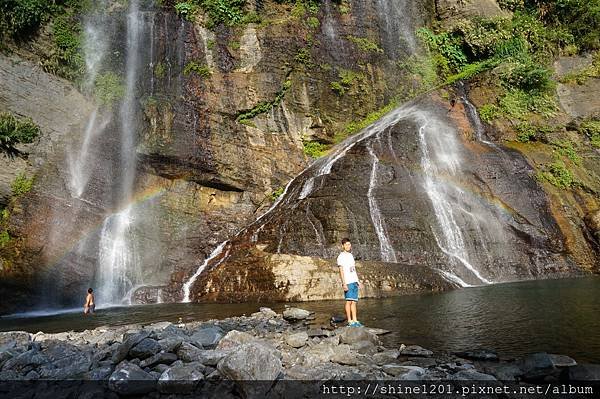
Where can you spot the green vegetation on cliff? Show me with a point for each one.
(14, 131)
(21, 20)
(264, 106)
(21, 185)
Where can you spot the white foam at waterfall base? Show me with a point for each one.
(386, 250)
(118, 268)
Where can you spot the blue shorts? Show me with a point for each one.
(352, 293)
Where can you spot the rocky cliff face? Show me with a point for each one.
(422, 186)
(222, 116)
(429, 197)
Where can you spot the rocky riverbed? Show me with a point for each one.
(248, 356)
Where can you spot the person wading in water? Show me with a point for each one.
(90, 305)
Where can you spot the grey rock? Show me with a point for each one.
(188, 352)
(211, 357)
(252, 362)
(297, 340)
(504, 371)
(161, 368)
(25, 362)
(582, 372)
(207, 337)
(410, 372)
(472, 375)
(420, 361)
(386, 357)
(145, 348)
(318, 332)
(180, 379)
(478, 354)
(99, 374)
(32, 375)
(536, 366)
(318, 354)
(123, 349)
(344, 355)
(129, 379)
(268, 312)
(352, 335)
(73, 365)
(416, 350)
(12, 339)
(234, 339)
(365, 347)
(377, 331)
(159, 358)
(562, 361)
(294, 314)
(170, 344)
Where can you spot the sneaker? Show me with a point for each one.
(358, 324)
(352, 324)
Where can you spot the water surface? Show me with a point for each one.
(556, 316)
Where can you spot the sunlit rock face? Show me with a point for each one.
(422, 187)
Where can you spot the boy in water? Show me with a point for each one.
(350, 282)
(89, 306)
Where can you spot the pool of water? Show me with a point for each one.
(556, 316)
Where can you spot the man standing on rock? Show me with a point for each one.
(350, 282)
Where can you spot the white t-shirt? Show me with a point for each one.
(345, 260)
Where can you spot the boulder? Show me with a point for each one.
(472, 375)
(188, 352)
(407, 372)
(159, 358)
(99, 374)
(415, 350)
(123, 349)
(253, 367)
(386, 357)
(295, 314)
(145, 348)
(129, 379)
(25, 362)
(352, 335)
(297, 340)
(235, 338)
(582, 372)
(211, 357)
(207, 337)
(13, 339)
(562, 361)
(170, 344)
(181, 379)
(344, 355)
(536, 366)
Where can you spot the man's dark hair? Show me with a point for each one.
(90, 290)
(345, 240)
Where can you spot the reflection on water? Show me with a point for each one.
(557, 316)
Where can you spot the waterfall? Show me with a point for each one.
(78, 161)
(119, 270)
(116, 278)
(387, 251)
(95, 46)
(188, 284)
(445, 199)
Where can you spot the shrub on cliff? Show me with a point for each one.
(14, 131)
(22, 18)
